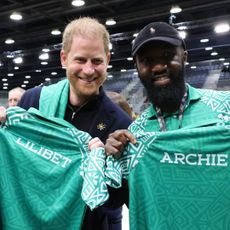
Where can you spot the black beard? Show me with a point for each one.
(167, 98)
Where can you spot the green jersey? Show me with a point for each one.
(179, 179)
(41, 163)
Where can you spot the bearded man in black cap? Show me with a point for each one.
(177, 171)
(160, 56)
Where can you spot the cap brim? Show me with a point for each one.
(172, 41)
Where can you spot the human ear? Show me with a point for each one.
(108, 56)
(185, 55)
(63, 58)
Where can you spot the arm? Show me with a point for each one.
(2, 114)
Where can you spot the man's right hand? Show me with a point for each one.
(2, 114)
(117, 141)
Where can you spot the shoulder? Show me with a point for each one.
(30, 98)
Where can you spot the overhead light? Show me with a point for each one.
(47, 79)
(109, 66)
(204, 40)
(44, 56)
(16, 16)
(46, 50)
(182, 28)
(123, 70)
(4, 79)
(5, 84)
(226, 63)
(129, 58)
(54, 73)
(56, 32)
(182, 34)
(221, 59)
(175, 10)
(27, 76)
(78, 3)
(10, 55)
(16, 67)
(208, 48)
(10, 74)
(38, 71)
(5, 87)
(18, 60)
(9, 41)
(193, 67)
(23, 86)
(110, 76)
(135, 35)
(110, 22)
(214, 53)
(222, 28)
(44, 63)
(110, 46)
(25, 82)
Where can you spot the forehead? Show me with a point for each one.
(87, 45)
(15, 94)
(83, 40)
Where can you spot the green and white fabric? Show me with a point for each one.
(179, 179)
(40, 165)
(54, 99)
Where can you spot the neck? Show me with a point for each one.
(77, 100)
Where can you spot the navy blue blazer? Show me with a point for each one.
(108, 216)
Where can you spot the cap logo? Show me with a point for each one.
(152, 30)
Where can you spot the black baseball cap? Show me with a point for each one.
(157, 31)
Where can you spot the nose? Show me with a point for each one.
(88, 68)
(159, 67)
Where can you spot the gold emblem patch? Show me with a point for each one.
(101, 126)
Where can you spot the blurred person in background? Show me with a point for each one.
(118, 99)
(14, 96)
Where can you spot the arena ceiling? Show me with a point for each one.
(33, 32)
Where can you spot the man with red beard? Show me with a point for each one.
(81, 100)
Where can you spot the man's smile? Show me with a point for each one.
(160, 80)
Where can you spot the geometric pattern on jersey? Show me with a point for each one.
(179, 179)
(218, 100)
(40, 166)
(94, 189)
(182, 183)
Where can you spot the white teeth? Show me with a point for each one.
(87, 80)
(160, 77)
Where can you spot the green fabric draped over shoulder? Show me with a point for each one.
(54, 99)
